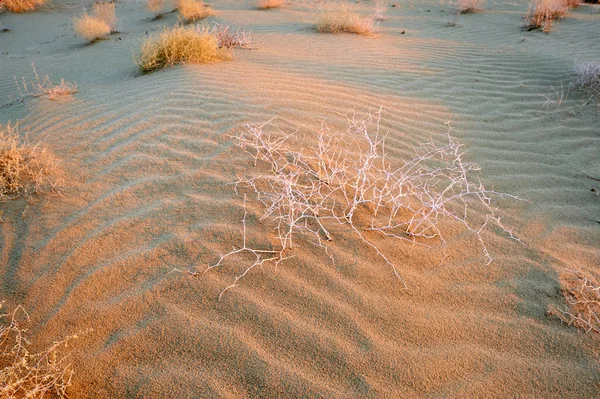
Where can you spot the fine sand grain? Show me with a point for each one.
(148, 158)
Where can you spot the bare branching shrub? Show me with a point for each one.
(105, 11)
(191, 44)
(269, 4)
(91, 28)
(347, 179)
(339, 18)
(543, 13)
(21, 5)
(194, 10)
(381, 7)
(469, 6)
(582, 294)
(587, 75)
(24, 374)
(43, 86)
(229, 38)
(25, 169)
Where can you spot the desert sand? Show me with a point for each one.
(147, 160)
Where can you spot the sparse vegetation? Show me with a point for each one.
(43, 86)
(25, 169)
(158, 8)
(24, 374)
(269, 4)
(543, 13)
(339, 18)
(194, 10)
(18, 6)
(105, 11)
(347, 179)
(229, 38)
(191, 44)
(582, 294)
(587, 75)
(91, 28)
(469, 6)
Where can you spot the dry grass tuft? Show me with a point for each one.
(582, 294)
(106, 12)
(43, 86)
(543, 13)
(339, 18)
(192, 44)
(346, 179)
(194, 10)
(21, 5)
(269, 4)
(91, 28)
(31, 375)
(25, 169)
(469, 6)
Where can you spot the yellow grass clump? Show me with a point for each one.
(24, 374)
(543, 13)
(24, 168)
(469, 6)
(192, 44)
(193, 10)
(106, 12)
(91, 28)
(21, 5)
(43, 86)
(341, 19)
(582, 294)
(269, 4)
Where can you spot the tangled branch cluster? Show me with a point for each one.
(348, 179)
(582, 293)
(31, 375)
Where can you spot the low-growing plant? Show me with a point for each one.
(158, 7)
(91, 28)
(582, 294)
(543, 13)
(340, 19)
(18, 6)
(25, 169)
(269, 4)
(192, 44)
(194, 10)
(105, 11)
(229, 38)
(347, 179)
(25, 374)
(469, 6)
(43, 86)
(587, 75)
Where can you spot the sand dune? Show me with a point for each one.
(149, 159)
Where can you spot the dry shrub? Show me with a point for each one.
(269, 4)
(24, 374)
(572, 3)
(25, 169)
(339, 18)
(156, 6)
(106, 12)
(582, 294)
(194, 10)
(91, 28)
(346, 179)
(21, 5)
(43, 86)
(543, 13)
(587, 75)
(191, 44)
(469, 6)
(229, 38)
